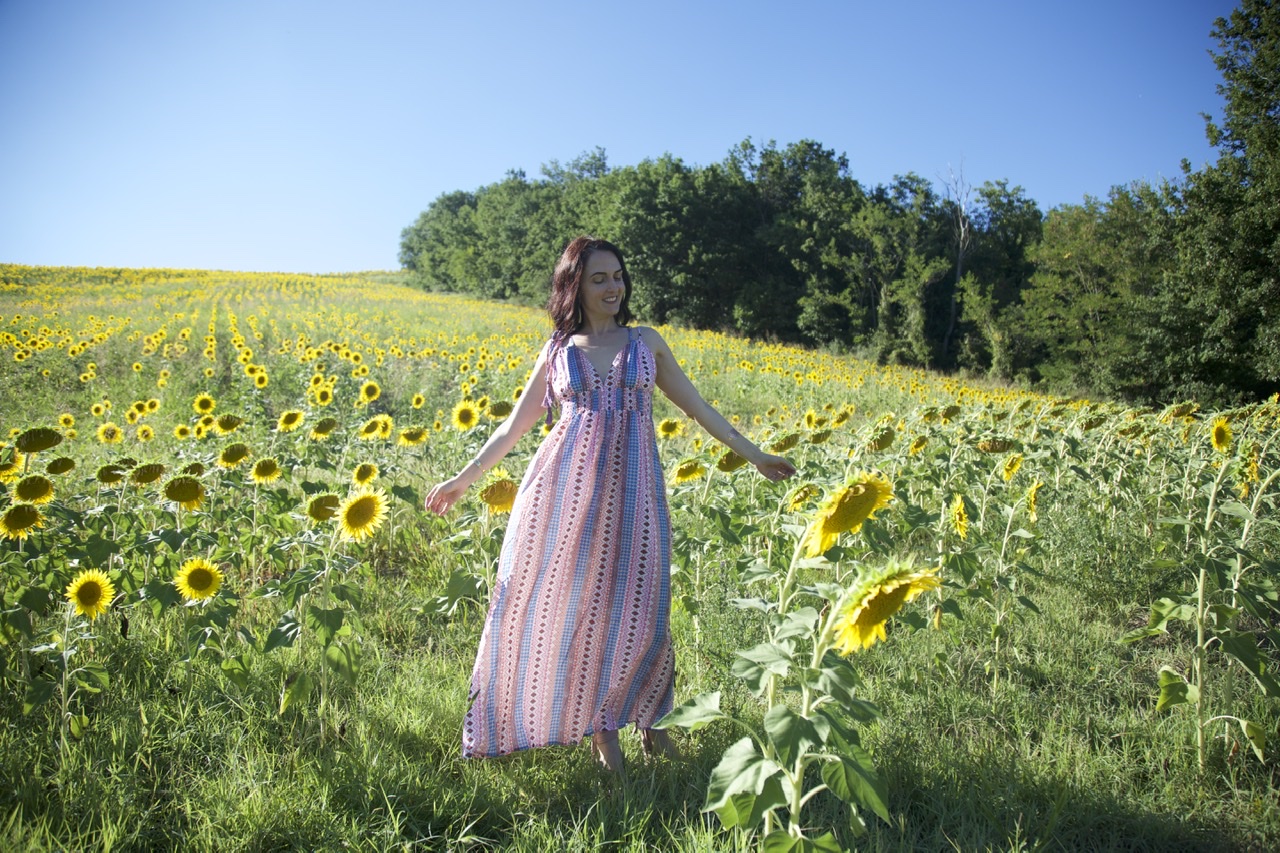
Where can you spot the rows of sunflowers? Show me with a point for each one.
(232, 459)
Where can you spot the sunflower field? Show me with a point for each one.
(978, 617)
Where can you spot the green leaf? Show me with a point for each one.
(798, 623)
(695, 713)
(791, 734)
(97, 672)
(1029, 604)
(325, 622)
(855, 780)
(825, 843)
(741, 769)
(746, 810)
(1237, 509)
(408, 494)
(36, 599)
(236, 671)
(756, 665)
(1257, 738)
(1141, 634)
(344, 658)
(39, 691)
(160, 595)
(79, 724)
(283, 634)
(1243, 646)
(295, 691)
(1167, 608)
(780, 841)
(1175, 690)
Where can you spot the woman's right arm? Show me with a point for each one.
(527, 412)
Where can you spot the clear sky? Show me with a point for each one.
(281, 135)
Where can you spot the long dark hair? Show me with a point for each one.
(566, 282)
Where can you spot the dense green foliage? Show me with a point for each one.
(1155, 293)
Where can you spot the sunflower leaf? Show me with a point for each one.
(855, 780)
(791, 734)
(325, 622)
(798, 623)
(283, 634)
(1175, 690)
(1256, 736)
(741, 769)
(1243, 646)
(344, 658)
(746, 809)
(695, 713)
(296, 690)
(1237, 509)
(39, 691)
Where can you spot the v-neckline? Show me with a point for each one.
(613, 362)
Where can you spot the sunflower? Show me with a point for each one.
(185, 490)
(918, 445)
(323, 428)
(266, 470)
(948, 413)
(499, 410)
(39, 439)
(111, 473)
(500, 495)
(290, 420)
(198, 579)
(34, 489)
(881, 439)
(323, 507)
(785, 443)
(874, 598)
(204, 404)
(145, 433)
(412, 436)
(670, 428)
(324, 396)
(995, 445)
(361, 514)
(232, 455)
(19, 520)
(846, 510)
(11, 468)
(364, 474)
(690, 469)
(1011, 466)
(1031, 500)
(418, 401)
(61, 465)
(385, 425)
(730, 461)
(97, 410)
(226, 424)
(819, 436)
(91, 592)
(370, 391)
(144, 474)
(1221, 435)
(465, 416)
(801, 496)
(109, 433)
(959, 517)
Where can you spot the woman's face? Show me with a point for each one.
(602, 289)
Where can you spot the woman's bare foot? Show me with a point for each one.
(607, 751)
(658, 742)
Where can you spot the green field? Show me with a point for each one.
(1097, 669)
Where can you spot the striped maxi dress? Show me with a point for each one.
(577, 637)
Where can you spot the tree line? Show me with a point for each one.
(1155, 293)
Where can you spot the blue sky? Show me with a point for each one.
(292, 136)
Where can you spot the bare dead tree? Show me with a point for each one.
(959, 196)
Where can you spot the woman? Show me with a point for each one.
(576, 641)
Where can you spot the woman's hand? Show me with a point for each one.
(775, 468)
(444, 495)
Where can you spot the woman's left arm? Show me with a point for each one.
(673, 382)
